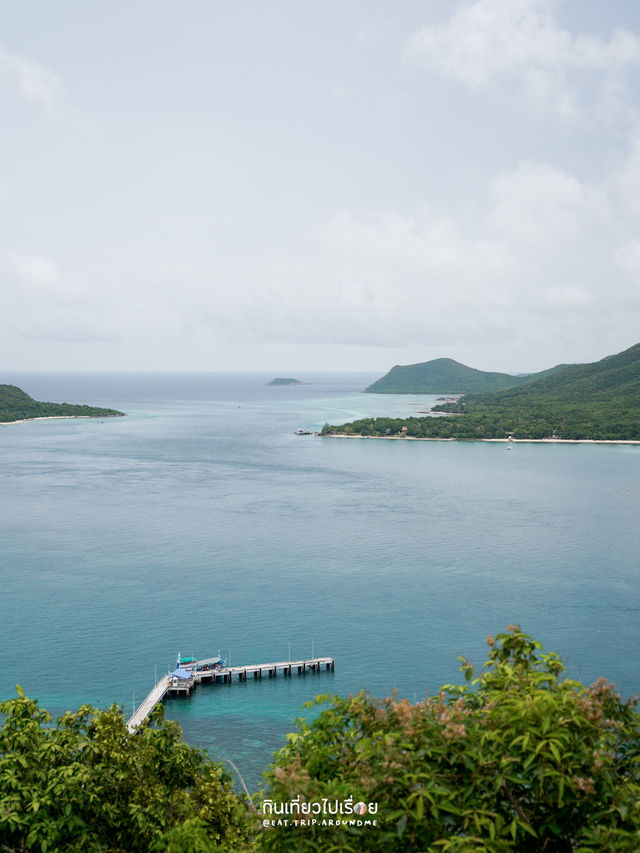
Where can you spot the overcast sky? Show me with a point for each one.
(292, 186)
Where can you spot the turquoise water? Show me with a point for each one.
(201, 522)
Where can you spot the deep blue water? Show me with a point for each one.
(201, 522)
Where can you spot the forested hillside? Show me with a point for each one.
(446, 376)
(16, 405)
(599, 401)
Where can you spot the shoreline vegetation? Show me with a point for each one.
(16, 406)
(598, 402)
(491, 440)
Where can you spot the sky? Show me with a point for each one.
(296, 187)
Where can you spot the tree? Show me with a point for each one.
(519, 758)
(85, 783)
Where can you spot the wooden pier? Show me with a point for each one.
(224, 675)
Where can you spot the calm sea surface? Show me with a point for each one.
(200, 523)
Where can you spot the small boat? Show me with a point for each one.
(191, 664)
(207, 664)
(187, 664)
(303, 432)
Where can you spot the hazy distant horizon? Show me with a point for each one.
(291, 372)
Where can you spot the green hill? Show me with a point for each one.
(599, 401)
(16, 405)
(444, 376)
(604, 381)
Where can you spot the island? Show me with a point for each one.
(280, 380)
(17, 405)
(578, 402)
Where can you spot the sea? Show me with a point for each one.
(200, 524)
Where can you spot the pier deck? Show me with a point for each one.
(224, 675)
(145, 708)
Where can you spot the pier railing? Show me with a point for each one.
(146, 707)
(226, 675)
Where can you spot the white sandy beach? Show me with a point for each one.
(46, 418)
(503, 440)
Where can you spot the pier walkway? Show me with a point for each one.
(145, 708)
(169, 685)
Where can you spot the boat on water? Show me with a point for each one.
(188, 664)
(192, 664)
(208, 664)
(303, 432)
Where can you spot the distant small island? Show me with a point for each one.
(17, 405)
(283, 380)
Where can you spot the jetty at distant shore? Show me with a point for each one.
(182, 681)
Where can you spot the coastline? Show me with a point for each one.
(494, 440)
(51, 418)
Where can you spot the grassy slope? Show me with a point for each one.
(16, 405)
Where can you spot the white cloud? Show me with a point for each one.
(546, 256)
(41, 298)
(542, 206)
(38, 277)
(567, 297)
(519, 45)
(35, 82)
(374, 32)
(542, 255)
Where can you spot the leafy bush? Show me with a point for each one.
(86, 784)
(516, 759)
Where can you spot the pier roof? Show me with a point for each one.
(181, 673)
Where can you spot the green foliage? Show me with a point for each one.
(516, 759)
(583, 401)
(16, 405)
(444, 376)
(599, 401)
(85, 783)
